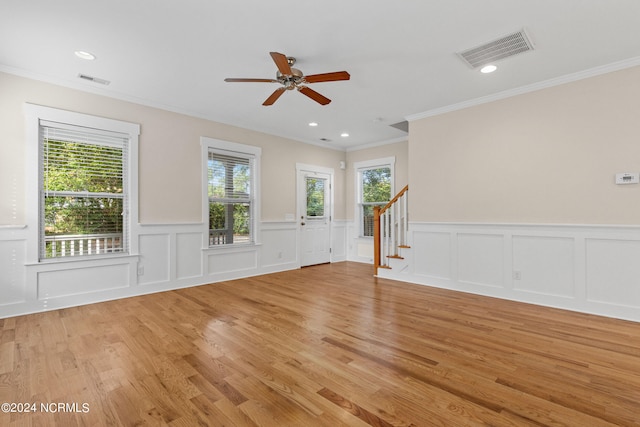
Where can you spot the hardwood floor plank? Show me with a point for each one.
(206, 413)
(7, 351)
(278, 382)
(353, 409)
(266, 406)
(322, 346)
(216, 376)
(97, 393)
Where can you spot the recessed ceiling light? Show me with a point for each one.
(488, 69)
(85, 55)
(344, 134)
(313, 124)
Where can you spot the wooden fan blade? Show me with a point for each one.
(320, 99)
(252, 80)
(274, 96)
(281, 62)
(327, 77)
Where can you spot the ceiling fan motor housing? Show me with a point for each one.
(290, 81)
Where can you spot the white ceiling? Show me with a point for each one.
(175, 54)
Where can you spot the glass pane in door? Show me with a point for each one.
(315, 197)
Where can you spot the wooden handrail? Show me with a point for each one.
(395, 199)
(377, 212)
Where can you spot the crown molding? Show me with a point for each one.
(592, 72)
(377, 144)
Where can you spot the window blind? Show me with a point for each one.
(229, 180)
(229, 177)
(83, 191)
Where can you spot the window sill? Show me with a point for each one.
(233, 248)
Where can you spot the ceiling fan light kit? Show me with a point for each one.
(292, 78)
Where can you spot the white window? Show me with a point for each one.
(84, 200)
(375, 188)
(85, 189)
(231, 197)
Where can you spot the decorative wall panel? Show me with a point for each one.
(188, 255)
(154, 258)
(613, 272)
(480, 259)
(544, 265)
(435, 247)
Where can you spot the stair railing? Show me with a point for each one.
(390, 229)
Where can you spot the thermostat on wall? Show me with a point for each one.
(628, 178)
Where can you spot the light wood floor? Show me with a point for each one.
(323, 346)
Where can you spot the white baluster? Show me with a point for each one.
(387, 239)
(398, 207)
(392, 230)
(403, 221)
(382, 244)
(406, 217)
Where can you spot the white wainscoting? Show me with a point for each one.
(359, 249)
(171, 256)
(339, 229)
(13, 256)
(592, 269)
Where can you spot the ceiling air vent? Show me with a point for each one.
(94, 79)
(504, 47)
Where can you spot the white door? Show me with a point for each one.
(314, 217)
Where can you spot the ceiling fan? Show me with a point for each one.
(292, 78)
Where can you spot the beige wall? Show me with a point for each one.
(548, 156)
(398, 150)
(169, 155)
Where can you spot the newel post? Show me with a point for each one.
(376, 239)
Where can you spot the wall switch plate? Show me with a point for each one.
(628, 178)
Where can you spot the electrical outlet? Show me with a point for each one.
(517, 275)
(140, 270)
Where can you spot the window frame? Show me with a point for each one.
(34, 115)
(233, 149)
(360, 167)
